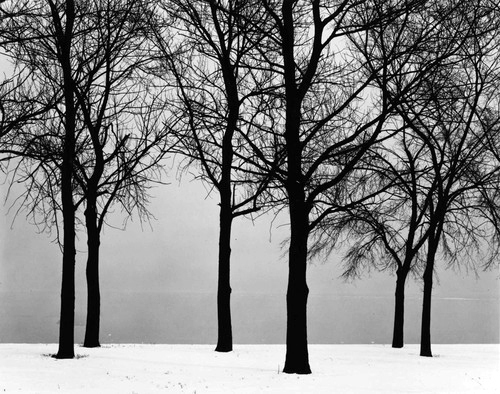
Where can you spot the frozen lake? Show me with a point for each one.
(176, 318)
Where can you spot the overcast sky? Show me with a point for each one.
(159, 285)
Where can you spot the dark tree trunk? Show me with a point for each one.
(92, 273)
(399, 310)
(297, 356)
(425, 337)
(225, 334)
(67, 317)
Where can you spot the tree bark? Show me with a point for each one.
(225, 334)
(297, 356)
(67, 317)
(399, 310)
(92, 273)
(425, 337)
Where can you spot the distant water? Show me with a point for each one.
(155, 317)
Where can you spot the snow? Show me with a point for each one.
(134, 368)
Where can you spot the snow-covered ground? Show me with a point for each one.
(249, 369)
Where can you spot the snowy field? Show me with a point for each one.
(249, 369)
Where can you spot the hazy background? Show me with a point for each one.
(159, 286)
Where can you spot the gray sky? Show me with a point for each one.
(159, 286)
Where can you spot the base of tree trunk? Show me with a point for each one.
(297, 363)
(224, 349)
(91, 345)
(301, 370)
(425, 353)
(397, 343)
(62, 356)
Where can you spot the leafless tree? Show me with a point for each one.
(440, 164)
(122, 117)
(452, 116)
(325, 119)
(207, 63)
(118, 136)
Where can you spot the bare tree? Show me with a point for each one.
(208, 60)
(431, 160)
(325, 120)
(386, 230)
(118, 137)
(122, 116)
(452, 116)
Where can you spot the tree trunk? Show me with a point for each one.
(399, 310)
(425, 337)
(297, 356)
(225, 334)
(92, 273)
(67, 317)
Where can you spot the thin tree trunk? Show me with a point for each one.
(92, 273)
(399, 310)
(225, 334)
(425, 337)
(297, 356)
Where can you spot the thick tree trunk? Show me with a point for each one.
(67, 317)
(399, 310)
(425, 337)
(225, 334)
(297, 356)
(92, 273)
